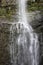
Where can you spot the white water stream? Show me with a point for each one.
(24, 46)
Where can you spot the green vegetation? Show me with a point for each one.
(8, 10)
(35, 6)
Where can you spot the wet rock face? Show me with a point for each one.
(37, 25)
(21, 53)
(4, 41)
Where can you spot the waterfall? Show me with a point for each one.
(24, 46)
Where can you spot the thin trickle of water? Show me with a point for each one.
(24, 46)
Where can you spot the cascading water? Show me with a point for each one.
(24, 46)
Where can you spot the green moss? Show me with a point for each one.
(35, 6)
(2, 11)
(7, 12)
